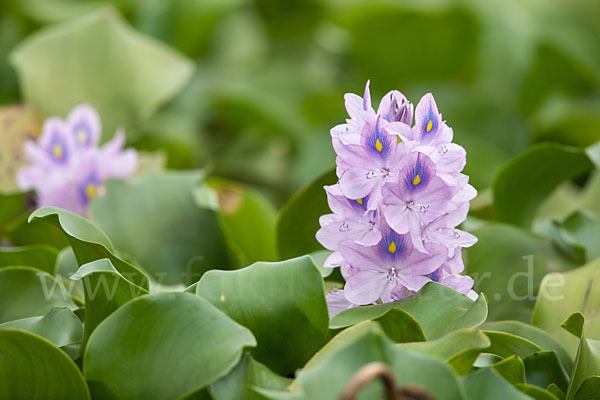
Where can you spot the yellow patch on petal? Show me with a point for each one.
(359, 201)
(378, 146)
(82, 135)
(90, 190)
(392, 247)
(417, 180)
(429, 125)
(57, 151)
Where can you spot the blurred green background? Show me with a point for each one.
(250, 88)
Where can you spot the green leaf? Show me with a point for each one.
(506, 345)
(327, 379)
(33, 368)
(298, 221)
(535, 335)
(105, 291)
(523, 183)
(561, 294)
(460, 348)
(437, 309)
(511, 368)
(42, 257)
(574, 324)
(166, 340)
(248, 221)
(508, 263)
(27, 292)
(555, 390)
(543, 368)
(587, 364)
(589, 389)
(282, 303)
(579, 230)
(88, 242)
(13, 204)
(535, 392)
(247, 373)
(488, 384)
(155, 219)
(124, 75)
(60, 326)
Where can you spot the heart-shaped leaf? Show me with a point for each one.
(437, 308)
(125, 75)
(524, 182)
(32, 368)
(167, 340)
(282, 303)
(488, 384)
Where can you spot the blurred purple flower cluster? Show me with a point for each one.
(399, 199)
(67, 165)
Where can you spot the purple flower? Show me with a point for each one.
(402, 179)
(337, 302)
(391, 263)
(364, 168)
(67, 167)
(417, 198)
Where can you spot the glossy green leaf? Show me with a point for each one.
(561, 294)
(42, 257)
(248, 222)
(155, 219)
(525, 181)
(166, 341)
(543, 368)
(574, 324)
(88, 242)
(248, 372)
(105, 291)
(488, 384)
(460, 348)
(60, 326)
(535, 392)
(27, 292)
(589, 389)
(33, 368)
(533, 334)
(580, 229)
(283, 304)
(506, 344)
(556, 391)
(511, 368)
(298, 221)
(124, 75)
(437, 309)
(508, 263)
(327, 379)
(587, 364)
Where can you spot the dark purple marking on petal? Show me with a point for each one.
(392, 247)
(379, 142)
(89, 188)
(58, 149)
(82, 133)
(430, 124)
(418, 175)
